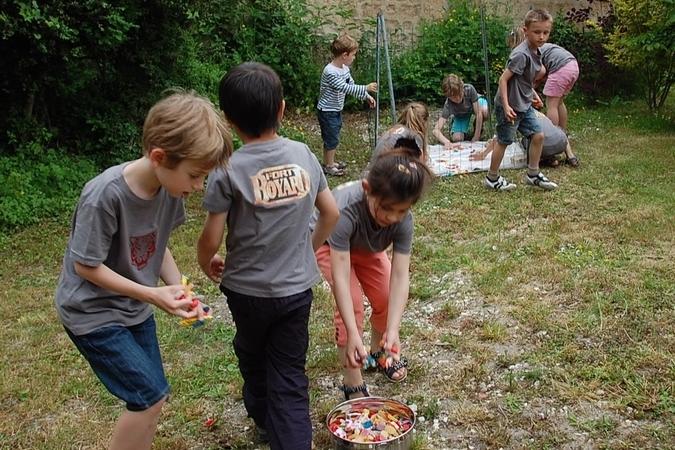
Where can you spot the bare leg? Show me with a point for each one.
(135, 430)
(328, 157)
(568, 151)
(496, 159)
(350, 376)
(552, 104)
(536, 146)
(562, 114)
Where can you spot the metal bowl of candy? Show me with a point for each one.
(371, 422)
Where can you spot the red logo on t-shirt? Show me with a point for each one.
(142, 249)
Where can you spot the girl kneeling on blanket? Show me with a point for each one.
(374, 213)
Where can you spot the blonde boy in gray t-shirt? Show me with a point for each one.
(513, 104)
(265, 198)
(117, 252)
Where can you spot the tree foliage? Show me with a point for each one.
(452, 45)
(643, 41)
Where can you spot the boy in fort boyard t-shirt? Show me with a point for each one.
(265, 198)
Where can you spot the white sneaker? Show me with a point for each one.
(540, 181)
(502, 184)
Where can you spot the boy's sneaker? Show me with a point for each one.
(334, 171)
(502, 184)
(341, 165)
(540, 181)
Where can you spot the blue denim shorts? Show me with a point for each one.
(331, 124)
(525, 122)
(127, 361)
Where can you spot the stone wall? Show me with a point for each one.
(404, 16)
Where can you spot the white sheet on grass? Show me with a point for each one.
(453, 162)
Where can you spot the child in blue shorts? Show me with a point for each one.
(117, 252)
(462, 101)
(513, 104)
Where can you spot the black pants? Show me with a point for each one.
(271, 344)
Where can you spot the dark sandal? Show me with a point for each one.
(550, 162)
(574, 161)
(349, 390)
(380, 358)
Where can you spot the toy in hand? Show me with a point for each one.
(380, 359)
(194, 321)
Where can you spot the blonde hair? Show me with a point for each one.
(515, 37)
(415, 116)
(537, 15)
(187, 126)
(452, 85)
(343, 44)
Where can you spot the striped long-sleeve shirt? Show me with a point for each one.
(335, 84)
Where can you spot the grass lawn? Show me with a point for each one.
(536, 319)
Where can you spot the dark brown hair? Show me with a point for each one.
(251, 96)
(397, 175)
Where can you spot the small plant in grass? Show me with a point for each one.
(504, 361)
(493, 331)
(450, 340)
(513, 404)
(451, 310)
(601, 425)
(533, 375)
(420, 443)
(430, 409)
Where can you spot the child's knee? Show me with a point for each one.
(155, 409)
(537, 137)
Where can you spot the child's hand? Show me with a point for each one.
(172, 300)
(355, 351)
(537, 103)
(510, 113)
(452, 145)
(391, 344)
(371, 101)
(372, 87)
(216, 267)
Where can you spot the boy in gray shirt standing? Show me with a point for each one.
(265, 198)
(513, 104)
(117, 253)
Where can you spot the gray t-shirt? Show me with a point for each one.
(524, 63)
(390, 137)
(465, 108)
(357, 229)
(555, 139)
(268, 191)
(553, 57)
(128, 234)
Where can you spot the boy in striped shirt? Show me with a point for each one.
(336, 82)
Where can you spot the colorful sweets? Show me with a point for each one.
(368, 426)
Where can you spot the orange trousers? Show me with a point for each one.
(369, 275)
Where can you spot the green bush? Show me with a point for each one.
(38, 182)
(642, 41)
(598, 79)
(279, 33)
(452, 45)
